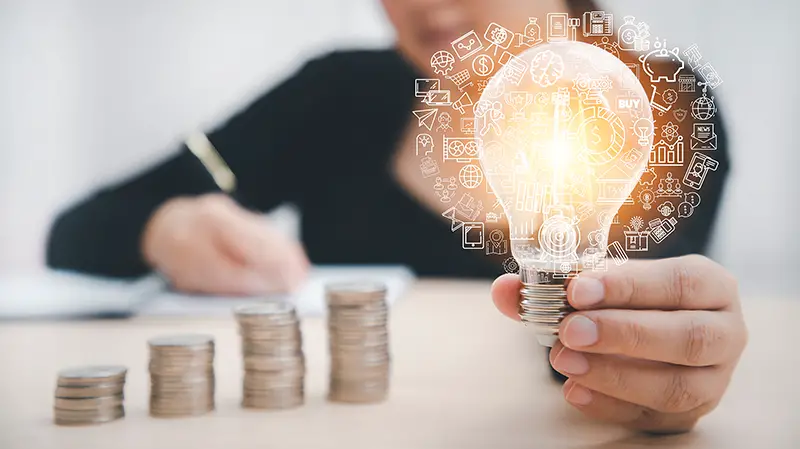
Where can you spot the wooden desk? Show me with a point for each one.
(463, 377)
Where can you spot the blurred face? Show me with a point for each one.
(425, 26)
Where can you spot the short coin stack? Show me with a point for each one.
(272, 350)
(359, 342)
(181, 375)
(89, 395)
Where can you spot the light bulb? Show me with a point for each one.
(562, 146)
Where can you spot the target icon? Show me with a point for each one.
(558, 237)
(511, 265)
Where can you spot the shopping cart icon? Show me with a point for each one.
(461, 79)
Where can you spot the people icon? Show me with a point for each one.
(669, 187)
(444, 122)
(445, 193)
(497, 243)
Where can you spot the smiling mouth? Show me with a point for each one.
(441, 39)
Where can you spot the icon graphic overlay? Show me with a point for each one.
(467, 45)
(483, 65)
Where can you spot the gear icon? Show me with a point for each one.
(511, 265)
(442, 62)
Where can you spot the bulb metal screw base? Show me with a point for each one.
(543, 302)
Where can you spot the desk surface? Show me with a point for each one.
(463, 377)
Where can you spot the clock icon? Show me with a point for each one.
(547, 68)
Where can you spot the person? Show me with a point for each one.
(337, 139)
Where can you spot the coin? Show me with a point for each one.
(87, 417)
(90, 391)
(89, 403)
(358, 318)
(182, 341)
(182, 377)
(272, 353)
(90, 375)
(87, 395)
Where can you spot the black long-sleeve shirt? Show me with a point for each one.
(323, 140)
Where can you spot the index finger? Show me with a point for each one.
(681, 283)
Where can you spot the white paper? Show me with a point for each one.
(66, 295)
(309, 300)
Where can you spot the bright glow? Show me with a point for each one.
(573, 156)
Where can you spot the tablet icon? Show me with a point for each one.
(472, 235)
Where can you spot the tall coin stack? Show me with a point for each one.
(272, 350)
(89, 395)
(181, 375)
(359, 342)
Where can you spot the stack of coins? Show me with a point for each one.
(274, 363)
(359, 342)
(89, 395)
(181, 375)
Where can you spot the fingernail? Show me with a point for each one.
(579, 331)
(587, 292)
(579, 395)
(571, 362)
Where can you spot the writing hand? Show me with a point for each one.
(211, 245)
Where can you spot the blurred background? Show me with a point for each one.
(95, 90)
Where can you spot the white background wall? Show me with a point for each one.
(91, 90)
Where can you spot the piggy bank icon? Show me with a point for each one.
(662, 64)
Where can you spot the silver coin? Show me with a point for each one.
(68, 418)
(91, 374)
(265, 308)
(89, 403)
(181, 341)
(90, 391)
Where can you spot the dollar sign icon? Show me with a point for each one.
(483, 65)
(596, 133)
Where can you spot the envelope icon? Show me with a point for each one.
(703, 137)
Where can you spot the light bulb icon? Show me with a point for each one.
(562, 167)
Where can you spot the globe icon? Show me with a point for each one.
(703, 108)
(470, 176)
(442, 62)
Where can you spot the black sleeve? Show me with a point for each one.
(101, 234)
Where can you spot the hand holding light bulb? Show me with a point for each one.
(648, 344)
(573, 159)
(651, 346)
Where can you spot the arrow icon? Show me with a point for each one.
(426, 117)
